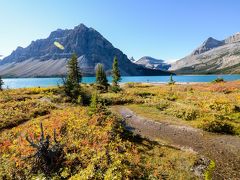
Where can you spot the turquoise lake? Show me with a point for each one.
(45, 82)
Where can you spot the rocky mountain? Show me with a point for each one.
(152, 63)
(207, 45)
(43, 58)
(213, 56)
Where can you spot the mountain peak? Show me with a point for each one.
(80, 26)
(207, 45)
(210, 39)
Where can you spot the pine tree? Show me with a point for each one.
(74, 74)
(115, 72)
(101, 78)
(1, 84)
(71, 84)
(171, 81)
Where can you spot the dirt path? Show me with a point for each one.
(222, 149)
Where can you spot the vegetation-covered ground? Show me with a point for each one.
(95, 146)
(213, 107)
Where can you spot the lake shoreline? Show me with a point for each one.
(13, 83)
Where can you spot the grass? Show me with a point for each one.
(209, 171)
(96, 146)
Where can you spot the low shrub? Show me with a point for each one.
(218, 126)
(219, 105)
(115, 89)
(218, 80)
(14, 113)
(171, 97)
(144, 94)
(48, 157)
(236, 108)
(162, 105)
(186, 113)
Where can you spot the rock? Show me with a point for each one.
(128, 116)
(200, 166)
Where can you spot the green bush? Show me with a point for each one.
(94, 106)
(236, 108)
(115, 89)
(144, 94)
(218, 126)
(187, 113)
(218, 80)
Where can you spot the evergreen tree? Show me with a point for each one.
(115, 72)
(74, 73)
(93, 104)
(101, 78)
(71, 84)
(171, 81)
(96, 105)
(1, 84)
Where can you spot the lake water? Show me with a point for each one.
(45, 82)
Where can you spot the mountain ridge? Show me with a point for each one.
(212, 57)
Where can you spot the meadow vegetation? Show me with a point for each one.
(214, 107)
(95, 145)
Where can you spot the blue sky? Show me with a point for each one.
(164, 29)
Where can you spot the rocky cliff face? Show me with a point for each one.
(233, 39)
(212, 56)
(43, 58)
(153, 63)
